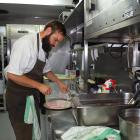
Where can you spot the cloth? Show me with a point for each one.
(91, 133)
(30, 117)
(24, 55)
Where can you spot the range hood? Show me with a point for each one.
(40, 2)
(32, 12)
(115, 21)
(75, 24)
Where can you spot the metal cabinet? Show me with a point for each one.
(3, 43)
(15, 31)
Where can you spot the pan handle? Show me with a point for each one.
(135, 98)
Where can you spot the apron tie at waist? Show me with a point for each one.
(30, 117)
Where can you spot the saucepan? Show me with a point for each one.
(56, 106)
(129, 123)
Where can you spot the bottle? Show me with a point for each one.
(77, 72)
(81, 83)
(67, 71)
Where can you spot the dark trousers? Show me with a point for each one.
(42, 101)
(22, 131)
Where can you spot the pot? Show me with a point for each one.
(129, 123)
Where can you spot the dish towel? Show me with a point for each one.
(30, 117)
(91, 133)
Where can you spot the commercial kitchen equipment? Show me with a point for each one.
(101, 109)
(115, 22)
(59, 122)
(75, 30)
(2, 77)
(129, 123)
(75, 24)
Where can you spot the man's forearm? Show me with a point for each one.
(52, 77)
(23, 80)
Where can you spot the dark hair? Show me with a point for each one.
(56, 26)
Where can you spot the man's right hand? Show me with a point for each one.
(44, 89)
(23, 80)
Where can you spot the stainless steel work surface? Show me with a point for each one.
(101, 98)
(101, 109)
(60, 122)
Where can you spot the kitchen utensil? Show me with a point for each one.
(129, 123)
(134, 99)
(58, 104)
(70, 95)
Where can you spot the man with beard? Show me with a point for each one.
(28, 63)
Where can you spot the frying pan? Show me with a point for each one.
(58, 104)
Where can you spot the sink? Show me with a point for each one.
(101, 109)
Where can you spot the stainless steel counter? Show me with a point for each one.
(60, 122)
(90, 110)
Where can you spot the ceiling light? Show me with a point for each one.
(37, 17)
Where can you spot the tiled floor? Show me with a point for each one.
(6, 131)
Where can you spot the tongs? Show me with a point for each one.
(70, 95)
(134, 99)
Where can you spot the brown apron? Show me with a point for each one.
(16, 101)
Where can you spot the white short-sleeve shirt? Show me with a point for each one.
(24, 55)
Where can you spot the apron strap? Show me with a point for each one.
(46, 54)
(38, 42)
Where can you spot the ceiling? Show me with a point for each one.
(30, 14)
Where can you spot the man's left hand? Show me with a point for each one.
(63, 87)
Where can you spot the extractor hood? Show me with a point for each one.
(112, 21)
(32, 12)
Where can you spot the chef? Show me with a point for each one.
(28, 63)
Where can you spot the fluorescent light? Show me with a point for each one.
(37, 17)
(39, 2)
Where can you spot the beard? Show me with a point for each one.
(46, 45)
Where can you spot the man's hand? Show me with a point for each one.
(64, 88)
(27, 82)
(44, 89)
